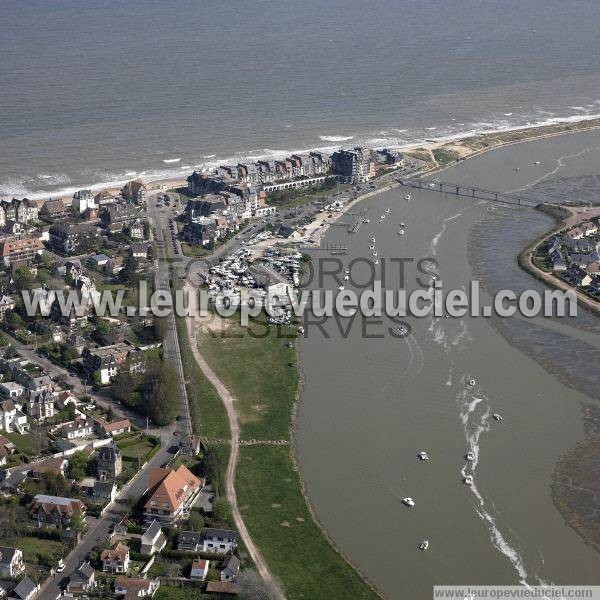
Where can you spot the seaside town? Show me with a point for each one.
(98, 468)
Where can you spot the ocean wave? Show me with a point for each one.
(36, 188)
(168, 161)
(336, 138)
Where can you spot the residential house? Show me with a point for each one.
(115, 265)
(6, 304)
(229, 568)
(199, 569)
(223, 588)
(11, 389)
(113, 428)
(6, 445)
(190, 541)
(54, 210)
(83, 579)
(24, 590)
(201, 231)
(135, 588)
(55, 510)
(73, 239)
(11, 562)
(115, 559)
(219, 541)
(97, 261)
(78, 428)
(139, 251)
(109, 462)
(11, 418)
(40, 405)
(171, 494)
(105, 198)
(136, 230)
(153, 539)
(83, 200)
(104, 362)
(21, 251)
(53, 465)
(103, 492)
(134, 191)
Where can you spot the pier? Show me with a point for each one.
(469, 192)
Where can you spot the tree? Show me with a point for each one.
(77, 522)
(129, 273)
(196, 521)
(14, 320)
(161, 404)
(23, 278)
(79, 465)
(252, 587)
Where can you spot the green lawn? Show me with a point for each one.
(170, 592)
(275, 512)
(255, 368)
(140, 449)
(29, 443)
(33, 548)
(209, 417)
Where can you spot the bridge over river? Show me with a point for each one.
(469, 192)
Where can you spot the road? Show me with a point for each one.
(99, 532)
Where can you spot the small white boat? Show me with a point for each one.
(372, 240)
(346, 277)
(472, 382)
(497, 417)
(376, 262)
(371, 247)
(407, 197)
(408, 501)
(470, 456)
(375, 253)
(366, 221)
(387, 210)
(382, 217)
(446, 316)
(517, 169)
(300, 329)
(347, 271)
(423, 456)
(341, 288)
(468, 480)
(401, 224)
(401, 232)
(424, 545)
(537, 162)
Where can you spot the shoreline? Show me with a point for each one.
(458, 143)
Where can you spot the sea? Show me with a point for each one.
(95, 92)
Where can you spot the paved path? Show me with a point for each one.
(228, 401)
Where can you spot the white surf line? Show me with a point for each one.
(498, 540)
(560, 164)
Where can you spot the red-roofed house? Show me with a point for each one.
(115, 559)
(171, 494)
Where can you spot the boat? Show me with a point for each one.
(401, 330)
(341, 288)
(376, 262)
(471, 382)
(346, 277)
(468, 480)
(423, 456)
(300, 329)
(537, 162)
(401, 224)
(347, 271)
(375, 253)
(470, 455)
(497, 417)
(401, 232)
(408, 501)
(407, 197)
(387, 210)
(372, 240)
(517, 169)
(424, 545)
(366, 221)
(382, 217)
(371, 247)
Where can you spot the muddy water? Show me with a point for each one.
(372, 401)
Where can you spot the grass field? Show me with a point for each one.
(33, 548)
(256, 371)
(29, 443)
(169, 592)
(276, 514)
